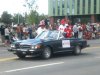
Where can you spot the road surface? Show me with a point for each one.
(88, 63)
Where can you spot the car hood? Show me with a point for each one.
(31, 42)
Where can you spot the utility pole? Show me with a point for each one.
(18, 18)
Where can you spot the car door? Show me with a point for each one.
(67, 44)
(62, 45)
(56, 45)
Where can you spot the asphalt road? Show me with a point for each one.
(88, 63)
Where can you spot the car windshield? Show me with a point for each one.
(48, 35)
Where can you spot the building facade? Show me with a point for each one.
(79, 9)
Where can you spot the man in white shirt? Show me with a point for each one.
(80, 31)
(62, 26)
(75, 30)
(41, 27)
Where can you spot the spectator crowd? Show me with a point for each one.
(23, 31)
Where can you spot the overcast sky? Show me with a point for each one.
(16, 6)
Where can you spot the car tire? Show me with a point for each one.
(77, 50)
(46, 54)
(21, 56)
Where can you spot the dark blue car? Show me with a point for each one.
(47, 43)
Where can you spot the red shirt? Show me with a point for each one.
(68, 32)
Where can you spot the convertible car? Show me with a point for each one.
(46, 44)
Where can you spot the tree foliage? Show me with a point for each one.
(18, 18)
(30, 18)
(6, 18)
(33, 17)
(29, 3)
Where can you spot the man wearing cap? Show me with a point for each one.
(62, 26)
(41, 27)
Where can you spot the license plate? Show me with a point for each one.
(23, 52)
(21, 49)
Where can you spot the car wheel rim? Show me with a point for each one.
(47, 53)
(78, 50)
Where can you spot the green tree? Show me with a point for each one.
(33, 17)
(18, 18)
(42, 16)
(30, 3)
(6, 18)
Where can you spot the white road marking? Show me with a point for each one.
(38, 66)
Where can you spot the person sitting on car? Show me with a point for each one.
(41, 28)
(68, 31)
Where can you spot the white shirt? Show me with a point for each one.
(25, 29)
(79, 27)
(7, 32)
(75, 28)
(15, 38)
(61, 28)
(40, 30)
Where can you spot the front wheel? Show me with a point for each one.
(46, 54)
(77, 50)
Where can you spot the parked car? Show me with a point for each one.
(46, 44)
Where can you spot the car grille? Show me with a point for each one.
(17, 45)
(23, 46)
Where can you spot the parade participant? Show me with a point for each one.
(41, 27)
(62, 26)
(68, 31)
(80, 31)
(75, 31)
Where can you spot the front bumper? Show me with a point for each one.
(25, 51)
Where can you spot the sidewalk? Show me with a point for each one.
(1, 45)
(94, 42)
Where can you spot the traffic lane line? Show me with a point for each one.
(38, 66)
(12, 58)
(7, 59)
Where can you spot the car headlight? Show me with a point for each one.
(36, 47)
(32, 47)
(12, 46)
